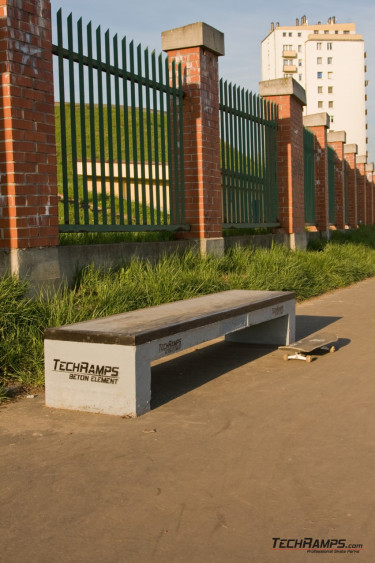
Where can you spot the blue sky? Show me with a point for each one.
(244, 24)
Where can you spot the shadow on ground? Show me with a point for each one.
(309, 324)
(188, 371)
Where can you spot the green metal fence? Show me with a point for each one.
(119, 123)
(248, 130)
(331, 185)
(309, 164)
(346, 192)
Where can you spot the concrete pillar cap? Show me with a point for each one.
(351, 149)
(317, 120)
(283, 87)
(336, 136)
(193, 35)
(369, 167)
(361, 159)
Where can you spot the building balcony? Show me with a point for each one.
(289, 69)
(289, 54)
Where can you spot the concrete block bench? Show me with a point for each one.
(103, 365)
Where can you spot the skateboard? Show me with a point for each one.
(302, 348)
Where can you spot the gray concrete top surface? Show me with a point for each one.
(283, 87)
(351, 148)
(136, 327)
(336, 136)
(317, 120)
(361, 159)
(197, 34)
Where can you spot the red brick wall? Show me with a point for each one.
(201, 134)
(28, 200)
(290, 156)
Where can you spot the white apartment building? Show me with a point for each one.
(328, 60)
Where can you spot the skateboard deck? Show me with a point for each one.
(302, 348)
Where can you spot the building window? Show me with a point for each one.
(331, 118)
(300, 48)
(319, 46)
(299, 34)
(290, 34)
(319, 75)
(299, 62)
(330, 89)
(329, 60)
(316, 31)
(319, 60)
(320, 89)
(330, 75)
(288, 62)
(320, 105)
(287, 47)
(329, 46)
(326, 31)
(284, 34)
(346, 32)
(300, 77)
(330, 104)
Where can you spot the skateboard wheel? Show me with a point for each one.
(332, 349)
(308, 359)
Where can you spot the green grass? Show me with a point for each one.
(349, 258)
(68, 239)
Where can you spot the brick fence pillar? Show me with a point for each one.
(290, 98)
(197, 47)
(28, 203)
(350, 152)
(318, 124)
(361, 162)
(369, 171)
(28, 185)
(337, 140)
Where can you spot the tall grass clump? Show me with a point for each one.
(101, 292)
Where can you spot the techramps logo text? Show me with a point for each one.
(314, 545)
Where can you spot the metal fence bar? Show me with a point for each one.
(331, 185)
(156, 140)
(346, 191)
(118, 134)
(149, 137)
(82, 110)
(309, 178)
(126, 136)
(101, 129)
(92, 124)
(163, 152)
(62, 115)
